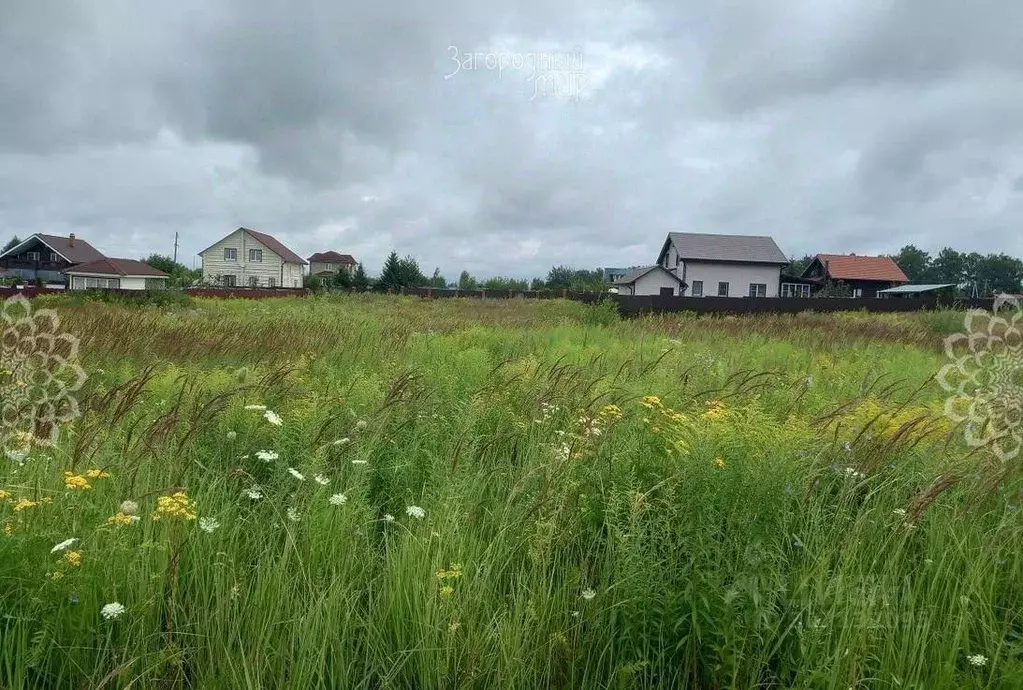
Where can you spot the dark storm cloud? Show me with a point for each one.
(832, 126)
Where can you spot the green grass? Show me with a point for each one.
(758, 553)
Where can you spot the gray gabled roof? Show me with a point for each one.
(753, 249)
(633, 276)
(910, 289)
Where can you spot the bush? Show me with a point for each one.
(148, 298)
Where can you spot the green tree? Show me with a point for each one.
(467, 282)
(409, 274)
(502, 283)
(949, 266)
(360, 281)
(13, 242)
(180, 275)
(914, 262)
(390, 274)
(437, 280)
(797, 266)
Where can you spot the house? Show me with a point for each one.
(864, 275)
(724, 265)
(46, 257)
(115, 274)
(650, 280)
(324, 264)
(247, 258)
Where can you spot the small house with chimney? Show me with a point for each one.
(46, 257)
(864, 276)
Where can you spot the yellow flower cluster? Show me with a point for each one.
(609, 414)
(76, 482)
(23, 503)
(177, 505)
(4, 495)
(120, 519)
(715, 410)
(719, 463)
(73, 558)
(96, 474)
(677, 424)
(453, 573)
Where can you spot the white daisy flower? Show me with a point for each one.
(977, 659)
(588, 594)
(415, 512)
(296, 474)
(208, 525)
(64, 544)
(112, 610)
(388, 517)
(321, 480)
(361, 424)
(255, 492)
(338, 499)
(255, 407)
(267, 455)
(294, 515)
(129, 507)
(273, 418)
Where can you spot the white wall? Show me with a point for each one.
(271, 267)
(125, 282)
(650, 284)
(738, 277)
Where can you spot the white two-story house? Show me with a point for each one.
(724, 265)
(247, 258)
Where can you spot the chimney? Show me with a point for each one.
(71, 240)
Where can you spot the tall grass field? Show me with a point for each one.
(385, 492)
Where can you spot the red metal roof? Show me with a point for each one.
(118, 267)
(332, 257)
(852, 267)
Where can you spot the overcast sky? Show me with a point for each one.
(831, 125)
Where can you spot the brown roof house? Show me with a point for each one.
(863, 275)
(247, 258)
(46, 257)
(115, 274)
(325, 264)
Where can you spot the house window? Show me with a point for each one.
(230, 254)
(228, 280)
(795, 290)
(253, 281)
(667, 292)
(697, 288)
(102, 283)
(32, 256)
(857, 292)
(53, 257)
(155, 283)
(255, 255)
(722, 289)
(757, 290)
(271, 282)
(330, 267)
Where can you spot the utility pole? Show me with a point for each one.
(175, 247)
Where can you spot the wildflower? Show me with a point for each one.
(454, 626)
(64, 544)
(255, 407)
(232, 435)
(715, 410)
(977, 659)
(72, 598)
(651, 401)
(122, 519)
(588, 594)
(361, 424)
(273, 418)
(848, 446)
(808, 382)
(267, 455)
(129, 507)
(719, 463)
(294, 515)
(236, 591)
(55, 575)
(8, 529)
(73, 558)
(208, 525)
(97, 474)
(340, 442)
(928, 561)
(254, 492)
(176, 505)
(338, 499)
(899, 511)
(575, 614)
(321, 480)
(296, 474)
(359, 462)
(76, 482)
(447, 590)
(4, 495)
(24, 503)
(453, 573)
(388, 517)
(415, 512)
(112, 610)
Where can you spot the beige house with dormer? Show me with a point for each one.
(247, 258)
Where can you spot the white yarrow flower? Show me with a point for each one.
(64, 544)
(899, 511)
(208, 525)
(273, 418)
(232, 435)
(340, 441)
(588, 594)
(267, 455)
(296, 474)
(388, 517)
(129, 507)
(361, 424)
(321, 480)
(112, 610)
(415, 512)
(255, 407)
(977, 659)
(254, 492)
(338, 499)
(294, 515)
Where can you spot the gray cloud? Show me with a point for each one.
(831, 126)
